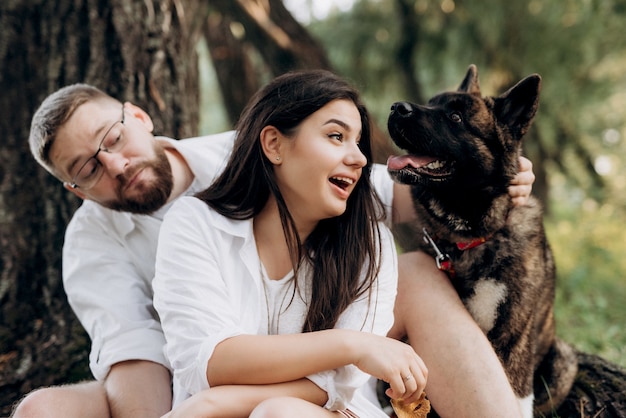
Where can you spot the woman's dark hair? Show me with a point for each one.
(339, 247)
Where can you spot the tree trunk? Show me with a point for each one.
(265, 29)
(136, 50)
(236, 75)
(253, 41)
(281, 40)
(405, 56)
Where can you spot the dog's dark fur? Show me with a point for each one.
(468, 148)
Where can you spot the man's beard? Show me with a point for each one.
(154, 195)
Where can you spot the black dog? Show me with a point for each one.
(463, 150)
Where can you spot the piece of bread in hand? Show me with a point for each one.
(417, 409)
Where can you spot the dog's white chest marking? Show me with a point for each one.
(483, 306)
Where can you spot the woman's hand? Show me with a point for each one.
(394, 362)
(522, 183)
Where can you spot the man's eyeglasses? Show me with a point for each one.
(91, 171)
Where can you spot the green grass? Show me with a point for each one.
(589, 246)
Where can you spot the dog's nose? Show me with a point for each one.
(402, 108)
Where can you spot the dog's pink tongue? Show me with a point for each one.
(400, 161)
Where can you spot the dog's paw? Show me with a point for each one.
(418, 409)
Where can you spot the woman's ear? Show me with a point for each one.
(271, 140)
(139, 114)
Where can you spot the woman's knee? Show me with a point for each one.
(286, 407)
(271, 408)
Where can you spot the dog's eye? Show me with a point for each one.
(455, 117)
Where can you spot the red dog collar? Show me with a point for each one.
(444, 262)
(471, 244)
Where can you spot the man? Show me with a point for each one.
(105, 152)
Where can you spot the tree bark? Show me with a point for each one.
(234, 67)
(136, 50)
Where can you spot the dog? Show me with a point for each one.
(463, 151)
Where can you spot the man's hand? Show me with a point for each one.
(522, 183)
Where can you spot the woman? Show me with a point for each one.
(276, 285)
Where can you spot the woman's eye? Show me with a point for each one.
(455, 117)
(337, 136)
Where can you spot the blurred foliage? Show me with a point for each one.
(589, 242)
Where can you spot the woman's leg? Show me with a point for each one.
(287, 407)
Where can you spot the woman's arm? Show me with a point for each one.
(339, 356)
(262, 359)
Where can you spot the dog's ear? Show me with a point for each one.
(517, 107)
(470, 83)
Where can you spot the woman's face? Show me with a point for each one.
(321, 163)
